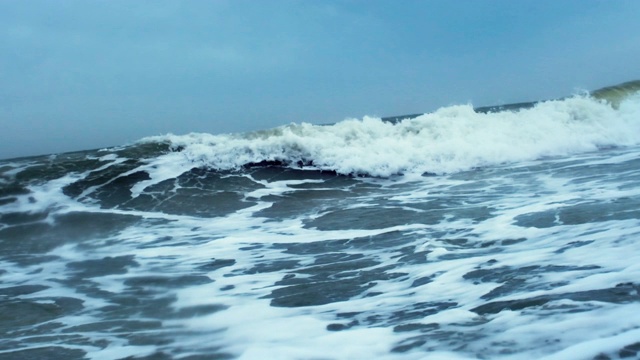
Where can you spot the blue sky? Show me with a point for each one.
(85, 74)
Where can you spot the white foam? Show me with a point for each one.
(249, 327)
(449, 140)
(591, 347)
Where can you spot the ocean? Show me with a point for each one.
(492, 233)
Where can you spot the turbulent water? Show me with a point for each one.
(459, 234)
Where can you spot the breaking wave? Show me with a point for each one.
(451, 139)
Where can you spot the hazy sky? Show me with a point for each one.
(86, 74)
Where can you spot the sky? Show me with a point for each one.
(86, 74)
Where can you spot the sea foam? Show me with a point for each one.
(449, 140)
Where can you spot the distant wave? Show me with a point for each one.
(618, 93)
(451, 139)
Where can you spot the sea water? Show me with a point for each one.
(452, 235)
